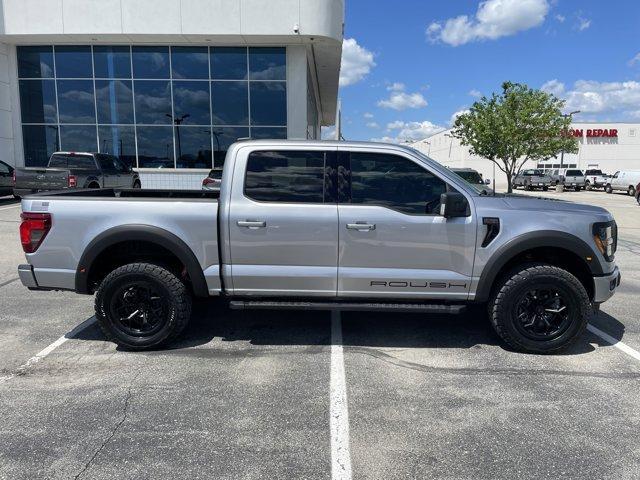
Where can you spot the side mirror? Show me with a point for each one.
(487, 181)
(453, 204)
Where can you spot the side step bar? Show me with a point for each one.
(346, 306)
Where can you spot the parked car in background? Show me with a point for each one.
(569, 177)
(531, 179)
(76, 170)
(470, 175)
(594, 178)
(623, 181)
(213, 180)
(638, 193)
(6, 179)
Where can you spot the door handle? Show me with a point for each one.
(251, 223)
(361, 226)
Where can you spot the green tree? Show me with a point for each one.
(517, 125)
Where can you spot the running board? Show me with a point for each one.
(347, 306)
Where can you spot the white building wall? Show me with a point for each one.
(6, 107)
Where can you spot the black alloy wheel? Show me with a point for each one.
(542, 314)
(138, 308)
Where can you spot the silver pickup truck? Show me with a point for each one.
(324, 225)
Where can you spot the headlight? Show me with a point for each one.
(605, 236)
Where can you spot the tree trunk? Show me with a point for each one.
(509, 185)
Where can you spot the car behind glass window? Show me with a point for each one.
(394, 182)
(285, 176)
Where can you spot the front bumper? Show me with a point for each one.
(605, 286)
(28, 279)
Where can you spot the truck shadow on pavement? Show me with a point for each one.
(6, 201)
(212, 320)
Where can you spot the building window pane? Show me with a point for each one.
(268, 133)
(150, 62)
(268, 103)
(191, 103)
(267, 63)
(230, 103)
(193, 147)
(155, 147)
(190, 62)
(153, 102)
(40, 141)
(223, 137)
(112, 62)
(73, 62)
(78, 138)
(35, 62)
(38, 101)
(285, 177)
(229, 63)
(76, 102)
(118, 141)
(114, 100)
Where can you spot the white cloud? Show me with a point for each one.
(373, 125)
(634, 60)
(560, 18)
(367, 115)
(475, 93)
(455, 115)
(494, 19)
(583, 23)
(356, 64)
(401, 100)
(328, 133)
(409, 131)
(554, 87)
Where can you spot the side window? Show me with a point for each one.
(105, 162)
(285, 176)
(4, 169)
(118, 165)
(394, 182)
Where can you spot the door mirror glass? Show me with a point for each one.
(453, 204)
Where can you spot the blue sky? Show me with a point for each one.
(409, 65)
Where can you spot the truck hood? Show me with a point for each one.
(524, 202)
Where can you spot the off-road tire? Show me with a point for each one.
(510, 288)
(175, 292)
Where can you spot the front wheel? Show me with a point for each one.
(545, 188)
(587, 185)
(141, 306)
(539, 308)
(608, 188)
(631, 191)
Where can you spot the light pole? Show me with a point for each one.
(565, 115)
(450, 143)
(428, 143)
(178, 122)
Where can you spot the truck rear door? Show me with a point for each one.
(36, 178)
(283, 222)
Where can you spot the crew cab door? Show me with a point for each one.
(283, 223)
(393, 241)
(108, 169)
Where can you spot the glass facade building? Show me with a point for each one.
(153, 106)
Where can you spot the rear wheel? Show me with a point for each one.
(631, 191)
(539, 308)
(93, 185)
(608, 188)
(587, 185)
(137, 184)
(578, 188)
(545, 188)
(141, 306)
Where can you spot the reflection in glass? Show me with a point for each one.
(75, 101)
(230, 103)
(111, 62)
(155, 147)
(229, 63)
(267, 63)
(40, 141)
(78, 138)
(35, 62)
(118, 141)
(114, 99)
(73, 62)
(193, 147)
(190, 62)
(223, 137)
(268, 103)
(153, 102)
(258, 133)
(150, 62)
(38, 101)
(191, 103)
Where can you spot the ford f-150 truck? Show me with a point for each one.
(532, 179)
(324, 225)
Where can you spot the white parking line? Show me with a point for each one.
(7, 208)
(43, 353)
(338, 411)
(615, 342)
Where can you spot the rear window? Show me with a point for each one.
(72, 161)
(532, 172)
(285, 176)
(574, 173)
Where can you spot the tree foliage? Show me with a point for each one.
(517, 125)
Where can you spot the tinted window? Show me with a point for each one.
(574, 173)
(4, 168)
(118, 141)
(268, 103)
(78, 138)
(471, 177)
(153, 102)
(35, 62)
(191, 103)
(73, 62)
(193, 147)
(38, 101)
(394, 182)
(155, 147)
(267, 63)
(112, 62)
(40, 141)
(229, 63)
(150, 62)
(75, 101)
(285, 177)
(72, 161)
(230, 103)
(106, 163)
(114, 99)
(190, 62)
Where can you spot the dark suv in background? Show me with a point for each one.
(6, 179)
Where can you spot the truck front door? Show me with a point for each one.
(393, 241)
(283, 223)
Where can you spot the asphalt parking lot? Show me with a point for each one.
(310, 395)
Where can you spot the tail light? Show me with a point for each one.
(33, 229)
(73, 181)
(208, 181)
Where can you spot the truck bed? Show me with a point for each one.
(105, 193)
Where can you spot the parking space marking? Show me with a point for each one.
(7, 208)
(43, 353)
(338, 411)
(615, 342)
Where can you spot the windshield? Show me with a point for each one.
(470, 176)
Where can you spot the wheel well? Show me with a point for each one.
(127, 252)
(93, 184)
(558, 257)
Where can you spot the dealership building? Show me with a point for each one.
(167, 85)
(606, 146)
